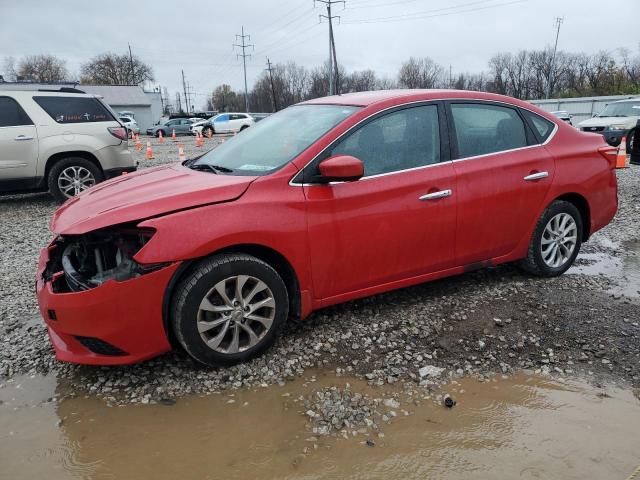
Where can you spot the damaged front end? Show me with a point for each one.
(83, 262)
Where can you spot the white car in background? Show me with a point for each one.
(230, 122)
(130, 124)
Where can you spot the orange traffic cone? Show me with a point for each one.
(138, 145)
(160, 137)
(197, 140)
(149, 154)
(181, 156)
(210, 134)
(621, 157)
(173, 135)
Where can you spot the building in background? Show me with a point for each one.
(146, 106)
(580, 108)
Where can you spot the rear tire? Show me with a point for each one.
(72, 175)
(228, 309)
(556, 241)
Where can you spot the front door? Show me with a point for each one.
(221, 123)
(395, 223)
(503, 179)
(18, 144)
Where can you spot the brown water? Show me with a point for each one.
(521, 427)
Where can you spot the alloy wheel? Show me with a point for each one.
(74, 179)
(236, 314)
(559, 240)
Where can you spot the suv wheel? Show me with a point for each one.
(556, 241)
(229, 309)
(70, 176)
(206, 130)
(164, 134)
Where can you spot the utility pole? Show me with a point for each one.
(559, 21)
(273, 90)
(244, 45)
(333, 62)
(184, 89)
(133, 77)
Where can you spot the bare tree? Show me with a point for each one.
(42, 68)
(114, 69)
(9, 69)
(420, 73)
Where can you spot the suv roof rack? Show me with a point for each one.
(62, 89)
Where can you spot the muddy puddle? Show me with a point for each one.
(624, 270)
(522, 427)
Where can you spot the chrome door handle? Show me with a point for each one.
(536, 176)
(436, 195)
(22, 137)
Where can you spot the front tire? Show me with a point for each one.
(70, 176)
(556, 240)
(228, 309)
(206, 130)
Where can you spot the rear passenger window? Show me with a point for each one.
(12, 114)
(404, 139)
(483, 129)
(541, 125)
(74, 109)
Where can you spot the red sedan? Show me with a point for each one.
(326, 201)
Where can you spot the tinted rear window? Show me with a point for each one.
(74, 109)
(12, 114)
(541, 125)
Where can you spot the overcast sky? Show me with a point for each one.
(376, 34)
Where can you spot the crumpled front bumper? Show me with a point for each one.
(116, 323)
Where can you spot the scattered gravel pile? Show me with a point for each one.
(482, 323)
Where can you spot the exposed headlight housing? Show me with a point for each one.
(87, 261)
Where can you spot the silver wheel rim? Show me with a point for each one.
(236, 314)
(73, 180)
(559, 240)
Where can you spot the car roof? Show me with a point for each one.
(47, 93)
(365, 99)
(628, 100)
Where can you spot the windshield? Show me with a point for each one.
(623, 109)
(276, 140)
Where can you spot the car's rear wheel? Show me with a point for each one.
(70, 176)
(556, 240)
(229, 308)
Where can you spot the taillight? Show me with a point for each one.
(118, 132)
(609, 153)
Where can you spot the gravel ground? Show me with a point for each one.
(488, 322)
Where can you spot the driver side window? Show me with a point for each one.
(404, 139)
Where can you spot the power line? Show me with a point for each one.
(559, 21)
(333, 63)
(243, 38)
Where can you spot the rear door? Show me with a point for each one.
(18, 144)
(503, 177)
(395, 223)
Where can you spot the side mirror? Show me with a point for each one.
(341, 168)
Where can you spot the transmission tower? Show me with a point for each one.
(334, 83)
(244, 45)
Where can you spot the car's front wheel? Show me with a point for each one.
(70, 176)
(206, 131)
(556, 240)
(229, 308)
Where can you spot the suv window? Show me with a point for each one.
(541, 125)
(400, 140)
(483, 129)
(222, 118)
(12, 114)
(74, 109)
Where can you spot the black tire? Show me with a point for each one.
(534, 262)
(61, 165)
(198, 283)
(164, 134)
(205, 131)
(244, 127)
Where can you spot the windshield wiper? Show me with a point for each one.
(212, 168)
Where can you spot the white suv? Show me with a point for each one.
(225, 123)
(63, 141)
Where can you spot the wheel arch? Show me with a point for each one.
(51, 161)
(581, 203)
(267, 254)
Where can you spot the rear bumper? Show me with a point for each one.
(116, 172)
(116, 323)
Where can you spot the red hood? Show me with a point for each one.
(143, 194)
